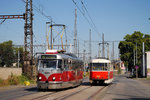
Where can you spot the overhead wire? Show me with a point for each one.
(91, 23)
(50, 18)
(90, 17)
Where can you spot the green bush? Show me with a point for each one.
(23, 78)
(15, 80)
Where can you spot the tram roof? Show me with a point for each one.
(67, 56)
(61, 54)
(64, 56)
(100, 61)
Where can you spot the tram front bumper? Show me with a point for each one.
(50, 85)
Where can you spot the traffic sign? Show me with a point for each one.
(136, 67)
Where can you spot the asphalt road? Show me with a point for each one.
(124, 88)
(83, 92)
(12, 93)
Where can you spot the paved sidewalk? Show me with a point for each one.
(144, 81)
(124, 88)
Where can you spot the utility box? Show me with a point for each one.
(147, 60)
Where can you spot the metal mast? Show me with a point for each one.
(103, 48)
(75, 33)
(28, 32)
(107, 50)
(90, 50)
(143, 60)
(113, 51)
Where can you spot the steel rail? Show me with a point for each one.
(44, 96)
(97, 92)
(71, 94)
(94, 94)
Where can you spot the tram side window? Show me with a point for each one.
(105, 66)
(109, 67)
(70, 64)
(66, 65)
(60, 64)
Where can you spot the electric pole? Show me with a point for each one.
(99, 50)
(136, 53)
(28, 32)
(78, 48)
(113, 51)
(108, 50)
(143, 60)
(103, 48)
(75, 33)
(90, 50)
(28, 40)
(57, 25)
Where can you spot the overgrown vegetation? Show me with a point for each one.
(15, 80)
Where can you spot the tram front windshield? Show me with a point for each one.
(49, 63)
(99, 66)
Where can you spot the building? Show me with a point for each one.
(147, 64)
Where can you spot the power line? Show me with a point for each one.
(91, 23)
(50, 18)
(90, 17)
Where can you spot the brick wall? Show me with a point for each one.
(5, 72)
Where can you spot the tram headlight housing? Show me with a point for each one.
(54, 78)
(40, 78)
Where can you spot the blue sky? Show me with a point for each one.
(114, 18)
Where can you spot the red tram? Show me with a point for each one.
(101, 71)
(59, 70)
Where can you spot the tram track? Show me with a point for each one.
(60, 95)
(82, 92)
(43, 96)
(71, 93)
(96, 93)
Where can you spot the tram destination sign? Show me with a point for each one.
(48, 57)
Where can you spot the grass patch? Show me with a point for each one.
(15, 80)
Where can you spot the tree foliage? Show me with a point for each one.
(6, 53)
(9, 54)
(128, 46)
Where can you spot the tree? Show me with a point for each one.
(6, 53)
(128, 46)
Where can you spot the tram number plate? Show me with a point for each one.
(98, 76)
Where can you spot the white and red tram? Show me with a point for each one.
(59, 70)
(101, 71)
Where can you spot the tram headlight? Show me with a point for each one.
(40, 78)
(54, 78)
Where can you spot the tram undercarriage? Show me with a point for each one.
(58, 85)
